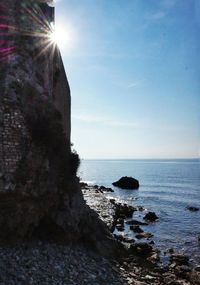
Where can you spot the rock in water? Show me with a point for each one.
(127, 183)
(141, 249)
(192, 209)
(179, 259)
(151, 217)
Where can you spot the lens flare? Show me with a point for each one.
(60, 37)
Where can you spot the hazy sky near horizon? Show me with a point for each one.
(134, 71)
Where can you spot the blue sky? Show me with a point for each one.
(134, 71)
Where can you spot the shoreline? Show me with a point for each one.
(56, 263)
(178, 225)
(120, 215)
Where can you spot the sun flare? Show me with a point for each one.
(61, 37)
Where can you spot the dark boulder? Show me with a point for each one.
(151, 217)
(124, 210)
(127, 183)
(120, 227)
(102, 187)
(141, 249)
(144, 235)
(106, 189)
(136, 229)
(154, 258)
(140, 208)
(193, 209)
(124, 239)
(83, 184)
(179, 259)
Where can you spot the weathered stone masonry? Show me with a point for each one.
(39, 191)
(26, 61)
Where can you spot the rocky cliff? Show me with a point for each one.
(39, 190)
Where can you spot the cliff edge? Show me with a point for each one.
(39, 190)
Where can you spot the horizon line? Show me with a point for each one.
(179, 158)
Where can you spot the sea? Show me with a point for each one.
(167, 187)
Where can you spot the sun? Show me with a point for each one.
(61, 37)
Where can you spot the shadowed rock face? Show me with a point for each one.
(39, 190)
(127, 183)
(38, 169)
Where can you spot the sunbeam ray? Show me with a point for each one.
(11, 33)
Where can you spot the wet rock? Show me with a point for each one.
(112, 201)
(182, 271)
(144, 235)
(151, 217)
(136, 222)
(120, 221)
(102, 187)
(120, 227)
(129, 240)
(171, 250)
(124, 210)
(122, 238)
(119, 237)
(197, 268)
(105, 189)
(154, 258)
(140, 208)
(127, 183)
(83, 184)
(141, 249)
(192, 209)
(179, 259)
(136, 229)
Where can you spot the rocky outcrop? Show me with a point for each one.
(141, 249)
(40, 193)
(38, 169)
(151, 217)
(127, 183)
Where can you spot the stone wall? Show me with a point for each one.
(61, 94)
(39, 190)
(31, 65)
(14, 136)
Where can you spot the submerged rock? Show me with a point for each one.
(124, 210)
(127, 183)
(192, 209)
(136, 229)
(141, 249)
(106, 189)
(144, 235)
(151, 217)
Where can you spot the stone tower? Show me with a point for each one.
(40, 193)
(31, 66)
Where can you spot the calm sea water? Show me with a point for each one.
(167, 187)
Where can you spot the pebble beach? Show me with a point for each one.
(42, 262)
